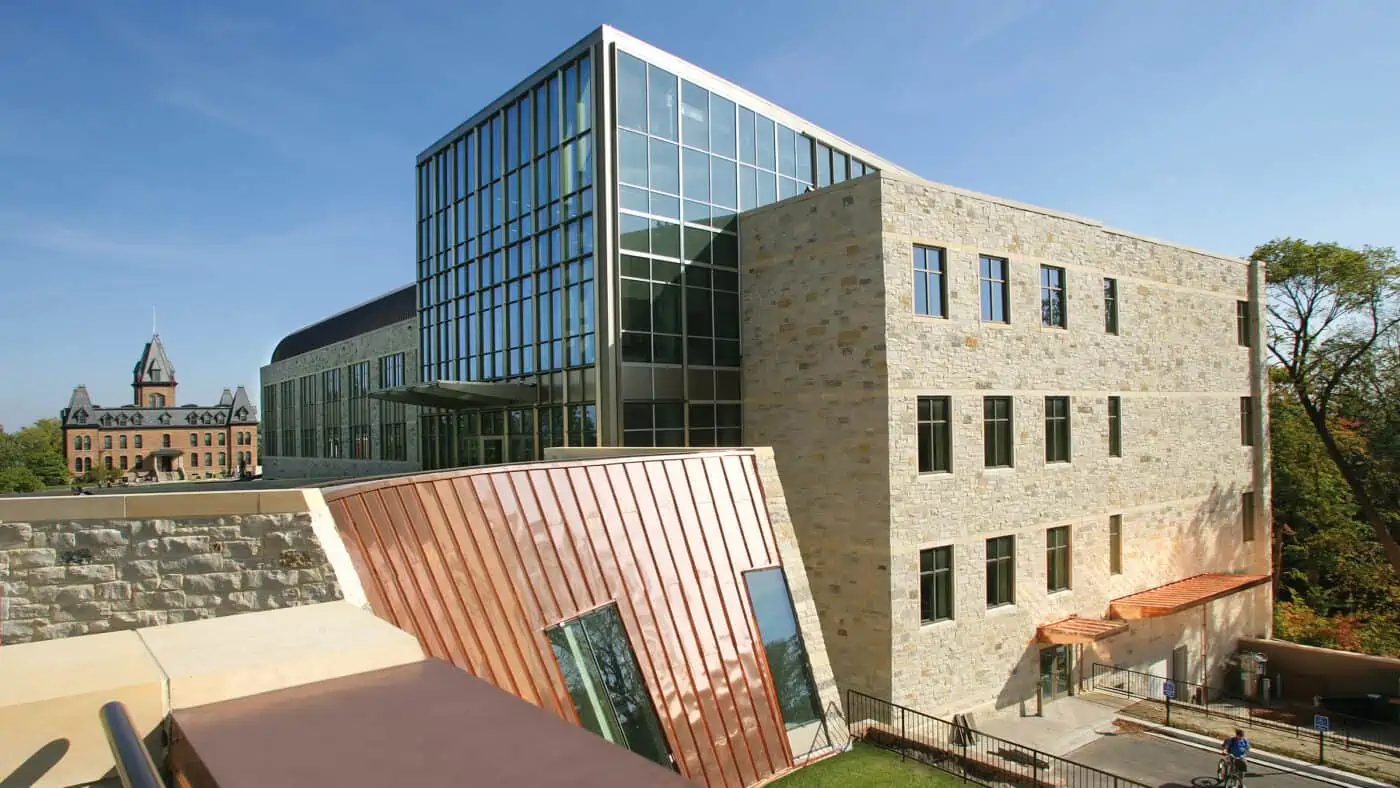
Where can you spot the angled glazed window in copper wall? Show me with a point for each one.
(482, 564)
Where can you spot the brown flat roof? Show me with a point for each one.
(1182, 594)
(422, 724)
(1078, 630)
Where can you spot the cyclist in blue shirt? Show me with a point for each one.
(1237, 746)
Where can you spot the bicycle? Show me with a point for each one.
(1229, 773)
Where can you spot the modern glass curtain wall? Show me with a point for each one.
(510, 246)
(506, 271)
(690, 157)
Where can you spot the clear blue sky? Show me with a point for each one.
(247, 167)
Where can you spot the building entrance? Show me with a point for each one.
(1055, 672)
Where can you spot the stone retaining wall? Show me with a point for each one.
(63, 577)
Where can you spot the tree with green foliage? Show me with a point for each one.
(1331, 312)
(34, 452)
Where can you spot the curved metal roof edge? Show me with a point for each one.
(343, 324)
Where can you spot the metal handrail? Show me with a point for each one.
(135, 768)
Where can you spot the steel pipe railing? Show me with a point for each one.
(135, 768)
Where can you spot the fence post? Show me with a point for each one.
(1169, 710)
(903, 742)
(1321, 736)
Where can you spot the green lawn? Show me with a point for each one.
(865, 766)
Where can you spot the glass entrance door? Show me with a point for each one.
(1054, 672)
(605, 683)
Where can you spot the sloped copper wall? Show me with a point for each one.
(479, 562)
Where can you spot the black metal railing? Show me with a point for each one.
(1346, 731)
(135, 768)
(960, 750)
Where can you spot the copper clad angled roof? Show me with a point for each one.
(1182, 594)
(479, 562)
(1079, 630)
(422, 724)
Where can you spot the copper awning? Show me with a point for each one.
(458, 394)
(1181, 595)
(1079, 630)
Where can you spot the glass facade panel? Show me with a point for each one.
(605, 683)
(506, 244)
(782, 643)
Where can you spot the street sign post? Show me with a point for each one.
(1322, 724)
(1169, 692)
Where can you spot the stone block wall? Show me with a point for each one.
(815, 387)
(835, 360)
(401, 337)
(69, 576)
(1179, 371)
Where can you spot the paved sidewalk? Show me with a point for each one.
(1065, 724)
(1265, 739)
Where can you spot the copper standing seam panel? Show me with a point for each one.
(667, 539)
(533, 669)
(404, 572)
(359, 557)
(750, 698)
(656, 660)
(429, 592)
(541, 561)
(746, 503)
(530, 574)
(731, 696)
(378, 554)
(553, 525)
(436, 582)
(456, 584)
(731, 690)
(673, 640)
(490, 619)
(751, 517)
(670, 554)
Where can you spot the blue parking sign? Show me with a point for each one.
(1321, 723)
(1169, 689)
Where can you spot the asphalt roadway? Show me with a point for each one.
(1172, 764)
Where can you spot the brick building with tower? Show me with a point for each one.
(155, 439)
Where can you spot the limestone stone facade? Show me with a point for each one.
(398, 338)
(80, 565)
(836, 359)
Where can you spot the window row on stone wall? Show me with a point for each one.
(994, 286)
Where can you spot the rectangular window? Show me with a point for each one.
(1057, 559)
(996, 298)
(605, 683)
(782, 644)
(1115, 544)
(330, 414)
(223, 459)
(271, 424)
(358, 403)
(137, 441)
(124, 462)
(393, 419)
(996, 428)
(1242, 328)
(1246, 421)
(936, 584)
(194, 459)
(194, 439)
(165, 441)
(1110, 305)
(1247, 515)
(306, 417)
(935, 435)
(1052, 297)
(107, 442)
(930, 282)
(1115, 426)
(208, 439)
(1001, 570)
(1057, 429)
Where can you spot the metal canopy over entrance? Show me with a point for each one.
(1181, 595)
(1078, 630)
(457, 394)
